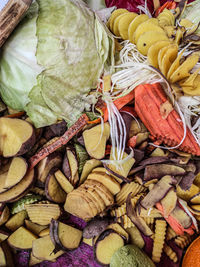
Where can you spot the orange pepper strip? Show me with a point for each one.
(15, 115)
(168, 5)
(94, 121)
(176, 226)
(120, 103)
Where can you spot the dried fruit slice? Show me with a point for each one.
(105, 246)
(21, 239)
(16, 172)
(168, 58)
(108, 181)
(44, 232)
(43, 213)
(3, 236)
(43, 249)
(135, 236)
(3, 178)
(174, 65)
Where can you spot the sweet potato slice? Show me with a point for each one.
(68, 236)
(135, 237)
(106, 180)
(63, 181)
(95, 227)
(53, 190)
(3, 178)
(16, 172)
(98, 199)
(34, 227)
(6, 257)
(169, 202)
(20, 189)
(95, 140)
(44, 232)
(21, 239)
(33, 260)
(16, 220)
(16, 137)
(43, 249)
(88, 167)
(4, 215)
(43, 213)
(70, 166)
(119, 229)
(54, 160)
(106, 244)
(3, 236)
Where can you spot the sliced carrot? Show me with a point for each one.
(15, 115)
(94, 121)
(168, 5)
(63, 140)
(192, 256)
(132, 141)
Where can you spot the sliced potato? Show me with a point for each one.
(115, 28)
(183, 70)
(186, 23)
(153, 51)
(114, 15)
(146, 27)
(88, 241)
(21, 239)
(44, 232)
(3, 236)
(134, 24)
(6, 257)
(147, 39)
(124, 24)
(135, 237)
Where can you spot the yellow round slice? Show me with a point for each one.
(145, 27)
(174, 65)
(124, 24)
(116, 24)
(153, 20)
(134, 24)
(147, 39)
(168, 58)
(152, 55)
(114, 15)
(161, 55)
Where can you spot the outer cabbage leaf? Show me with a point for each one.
(192, 13)
(18, 64)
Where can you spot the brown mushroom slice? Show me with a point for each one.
(16, 172)
(106, 245)
(16, 220)
(108, 181)
(43, 213)
(21, 239)
(43, 249)
(20, 189)
(16, 136)
(53, 190)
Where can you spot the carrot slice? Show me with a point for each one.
(168, 5)
(15, 115)
(94, 121)
(63, 140)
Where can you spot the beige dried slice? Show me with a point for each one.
(78, 206)
(114, 15)
(174, 65)
(3, 178)
(108, 181)
(168, 58)
(33, 260)
(73, 164)
(16, 220)
(63, 181)
(21, 239)
(183, 70)
(43, 213)
(124, 24)
(95, 140)
(119, 229)
(34, 227)
(88, 167)
(53, 190)
(115, 28)
(161, 54)
(134, 24)
(4, 215)
(101, 190)
(44, 232)
(43, 249)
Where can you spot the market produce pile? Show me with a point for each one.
(100, 136)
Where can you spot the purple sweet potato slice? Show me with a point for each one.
(159, 170)
(187, 181)
(95, 227)
(137, 220)
(105, 246)
(158, 192)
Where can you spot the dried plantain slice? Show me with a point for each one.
(124, 24)
(174, 65)
(168, 58)
(114, 15)
(43, 213)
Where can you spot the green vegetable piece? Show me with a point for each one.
(82, 156)
(20, 204)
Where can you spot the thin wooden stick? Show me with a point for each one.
(10, 16)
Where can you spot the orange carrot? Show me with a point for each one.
(63, 140)
(132, 141)
(192, 256)
(15, 115)
(168, 5)
(94, 121)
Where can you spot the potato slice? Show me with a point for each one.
(124, 24)
(186, 23)
(114, 15)
(112, 185)
(153, 51)
(63, 181)
(146, 27)
(88, 241)
(43, 249)
(43, 213)
(33, 260)
(106, 244)
(147, 39)
(88, 167)
(95, 140)
(16, 172)
(16, 220)
(21, 239)
(16, 137)
(134, 24)
(183, 70)
(187, 194)
(168, 58)
(20, 189)
(174, 65)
